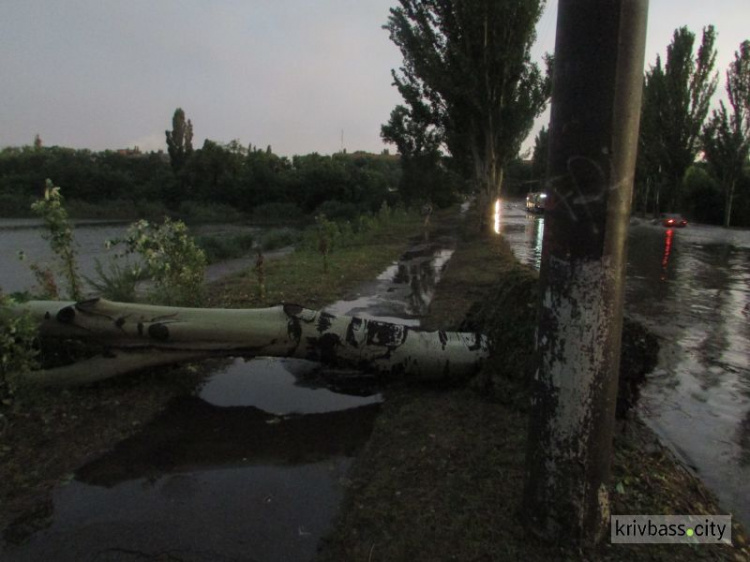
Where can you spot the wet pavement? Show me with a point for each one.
(251, 467)
(691, 287)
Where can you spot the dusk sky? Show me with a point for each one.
(292, 74)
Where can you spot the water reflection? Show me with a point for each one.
(523, 231)
(668, 237)
(264, 483)
(403, 293)
(194, 435)
(497, 221)
(691, 287)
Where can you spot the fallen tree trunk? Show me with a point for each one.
(138, 336)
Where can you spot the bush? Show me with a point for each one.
(17, 349)
(274, 213)
(119, 283)
(171, 259)
(60, 235)
(704, 200)
(338, 211)
(225, 247)
(279, 238)
(195, 212)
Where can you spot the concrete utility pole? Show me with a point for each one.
(596, 100)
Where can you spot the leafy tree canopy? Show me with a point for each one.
(726, 136)
(467, 81)
(676, 101)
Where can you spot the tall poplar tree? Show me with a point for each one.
(726, 137)
(676, 101)
(467, 77)
(179, 140)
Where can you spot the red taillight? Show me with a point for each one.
(670, 221)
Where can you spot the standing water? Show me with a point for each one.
(252, 467)
(691, 288)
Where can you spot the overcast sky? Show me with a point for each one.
(292, 74)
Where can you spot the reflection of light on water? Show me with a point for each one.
(497, 216)
(667, 251)
(538, 243)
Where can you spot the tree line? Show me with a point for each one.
(471, 94)
(233, 179)
(691, 159)
(470, 97)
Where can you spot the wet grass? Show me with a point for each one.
(442, 475)
(299, 277)
(225, 246)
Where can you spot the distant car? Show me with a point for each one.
(672, 221)
(535, 202)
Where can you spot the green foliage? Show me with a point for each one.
(225, 246)
(46, 285)
(204, 212)
(171, 259)
(179, 140)
(338, 210)
(278, 238)
(726, 137)
(218, 181)
(118, 282)
(468, 82)
(521, 178)
(271, 213)
(703, 198)
(540, 156)
(60, 236)
(676, 101)
(327, 233)
(18, 351)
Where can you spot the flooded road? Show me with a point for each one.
(691, 287)
(251, 467)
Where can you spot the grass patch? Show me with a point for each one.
(225, 246)
(299, 277)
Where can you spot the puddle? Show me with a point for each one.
(403, 292)
(279, 386)
(253, 467)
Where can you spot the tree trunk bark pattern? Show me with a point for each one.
(149, 335)
(728, 204)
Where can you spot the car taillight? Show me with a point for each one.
(670, 221)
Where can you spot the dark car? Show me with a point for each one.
(672, 221)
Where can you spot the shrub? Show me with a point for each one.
(225, 247)
(59, 235)
(337, 211)
(119, 282)
(328, 234)
(279, 238)
(195, 212)
(17, 349)
(171, 259)
(272, 213)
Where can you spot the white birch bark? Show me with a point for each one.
(138, 336)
